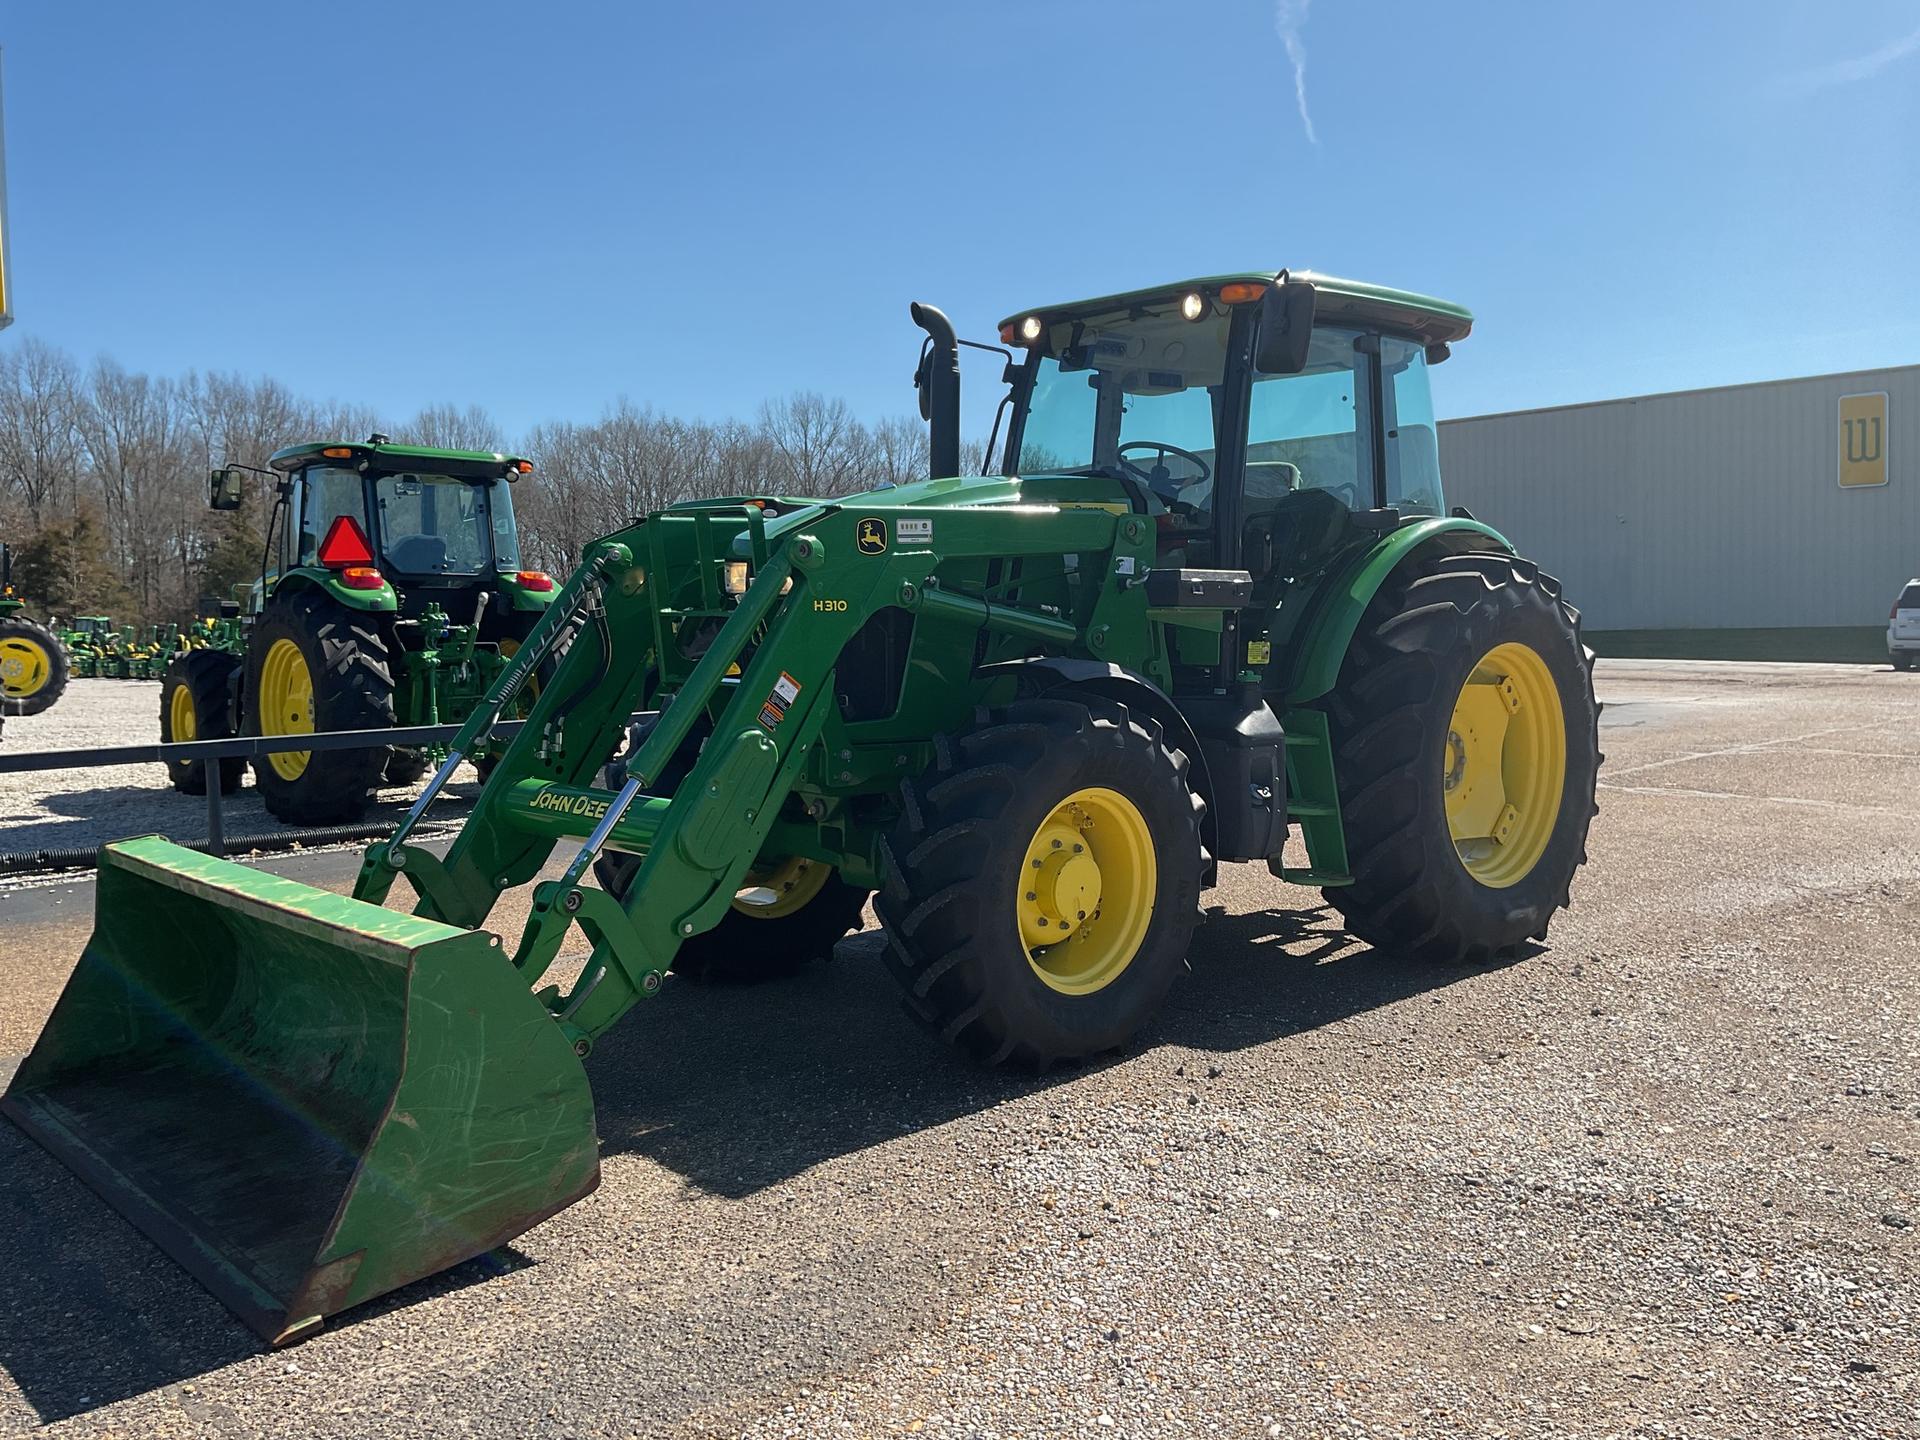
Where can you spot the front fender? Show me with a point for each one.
(1317, 651)
(1056, 673)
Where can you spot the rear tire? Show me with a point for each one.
(196, 703)
(977, 876)
(33, 666)
(343, 658)
(405, 767)
(1395, 717)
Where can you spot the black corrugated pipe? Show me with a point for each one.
(939, 382)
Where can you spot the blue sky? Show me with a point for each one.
(539, 208)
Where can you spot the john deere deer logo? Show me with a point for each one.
(871, 537)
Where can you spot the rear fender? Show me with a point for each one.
(1314, 656)
(1057, 675)
(312, 577)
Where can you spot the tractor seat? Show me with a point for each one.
(417, 554)
(1270, 481)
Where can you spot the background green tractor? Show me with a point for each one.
(392, 595)
(33, 663)
(85, 638)
(1211, 609)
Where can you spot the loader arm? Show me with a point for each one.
(765, 680)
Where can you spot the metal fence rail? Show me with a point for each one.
(245, 747)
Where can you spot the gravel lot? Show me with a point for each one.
(82, 809)
(1656, 1179)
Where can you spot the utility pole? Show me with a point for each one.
(6, 230)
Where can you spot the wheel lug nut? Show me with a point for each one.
(1032, 896)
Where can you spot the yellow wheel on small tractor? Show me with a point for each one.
(1044, 881)
(286, 704)
(1466, 744)
(196, 703)
(33, 666)
(314, 666)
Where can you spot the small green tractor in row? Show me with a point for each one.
(1210, 607)
(33, 664)
(392, 594)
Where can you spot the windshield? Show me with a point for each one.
(1136, 394)
(433, 524)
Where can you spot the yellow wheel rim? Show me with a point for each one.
(24, 667)
(1504, 765)
(180, 716)
(1087, 886)
(286, 704)
(773, 891)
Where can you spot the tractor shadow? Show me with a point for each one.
(739, 1089)
(96, 1314)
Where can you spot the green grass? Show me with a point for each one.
(1844, 644)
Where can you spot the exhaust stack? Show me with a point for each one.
(939, 384)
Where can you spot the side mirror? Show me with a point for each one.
(224, 489)
(1286, 329)
(922, 393)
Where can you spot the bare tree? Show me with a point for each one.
(40, 449)
(447, 428)
(822, 449)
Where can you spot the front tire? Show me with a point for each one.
(33, 666)
(1466, 741)
(315, 666)
(196, 703)
(1043, 883)
(785, 915)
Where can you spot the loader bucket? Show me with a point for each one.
(305, 1100)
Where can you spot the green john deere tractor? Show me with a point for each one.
(392, 595)
(33, 663)
(1212, 605)
(86, 638)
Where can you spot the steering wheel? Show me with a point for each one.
(1154, 478)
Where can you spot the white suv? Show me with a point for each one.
(1903, 629)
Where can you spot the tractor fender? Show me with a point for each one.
(307, 577)
(1315, 654)
(1047, 674)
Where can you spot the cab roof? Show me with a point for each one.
(460, 462)
(1404, 312)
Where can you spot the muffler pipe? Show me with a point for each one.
(939, 381)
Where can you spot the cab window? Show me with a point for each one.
(1307, 431)
(1413, 444)
(328, 492)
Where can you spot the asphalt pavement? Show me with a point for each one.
(1656, 1177)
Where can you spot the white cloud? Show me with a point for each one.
(1289, 19)
(1861, 67)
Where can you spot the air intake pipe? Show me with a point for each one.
(938, 381)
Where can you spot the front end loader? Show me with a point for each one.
(1210, 610)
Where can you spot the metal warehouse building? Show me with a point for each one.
(1773, 520)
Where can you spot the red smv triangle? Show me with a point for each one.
(345, 544)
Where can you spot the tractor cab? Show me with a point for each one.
(431, 523)
(1260, 418)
